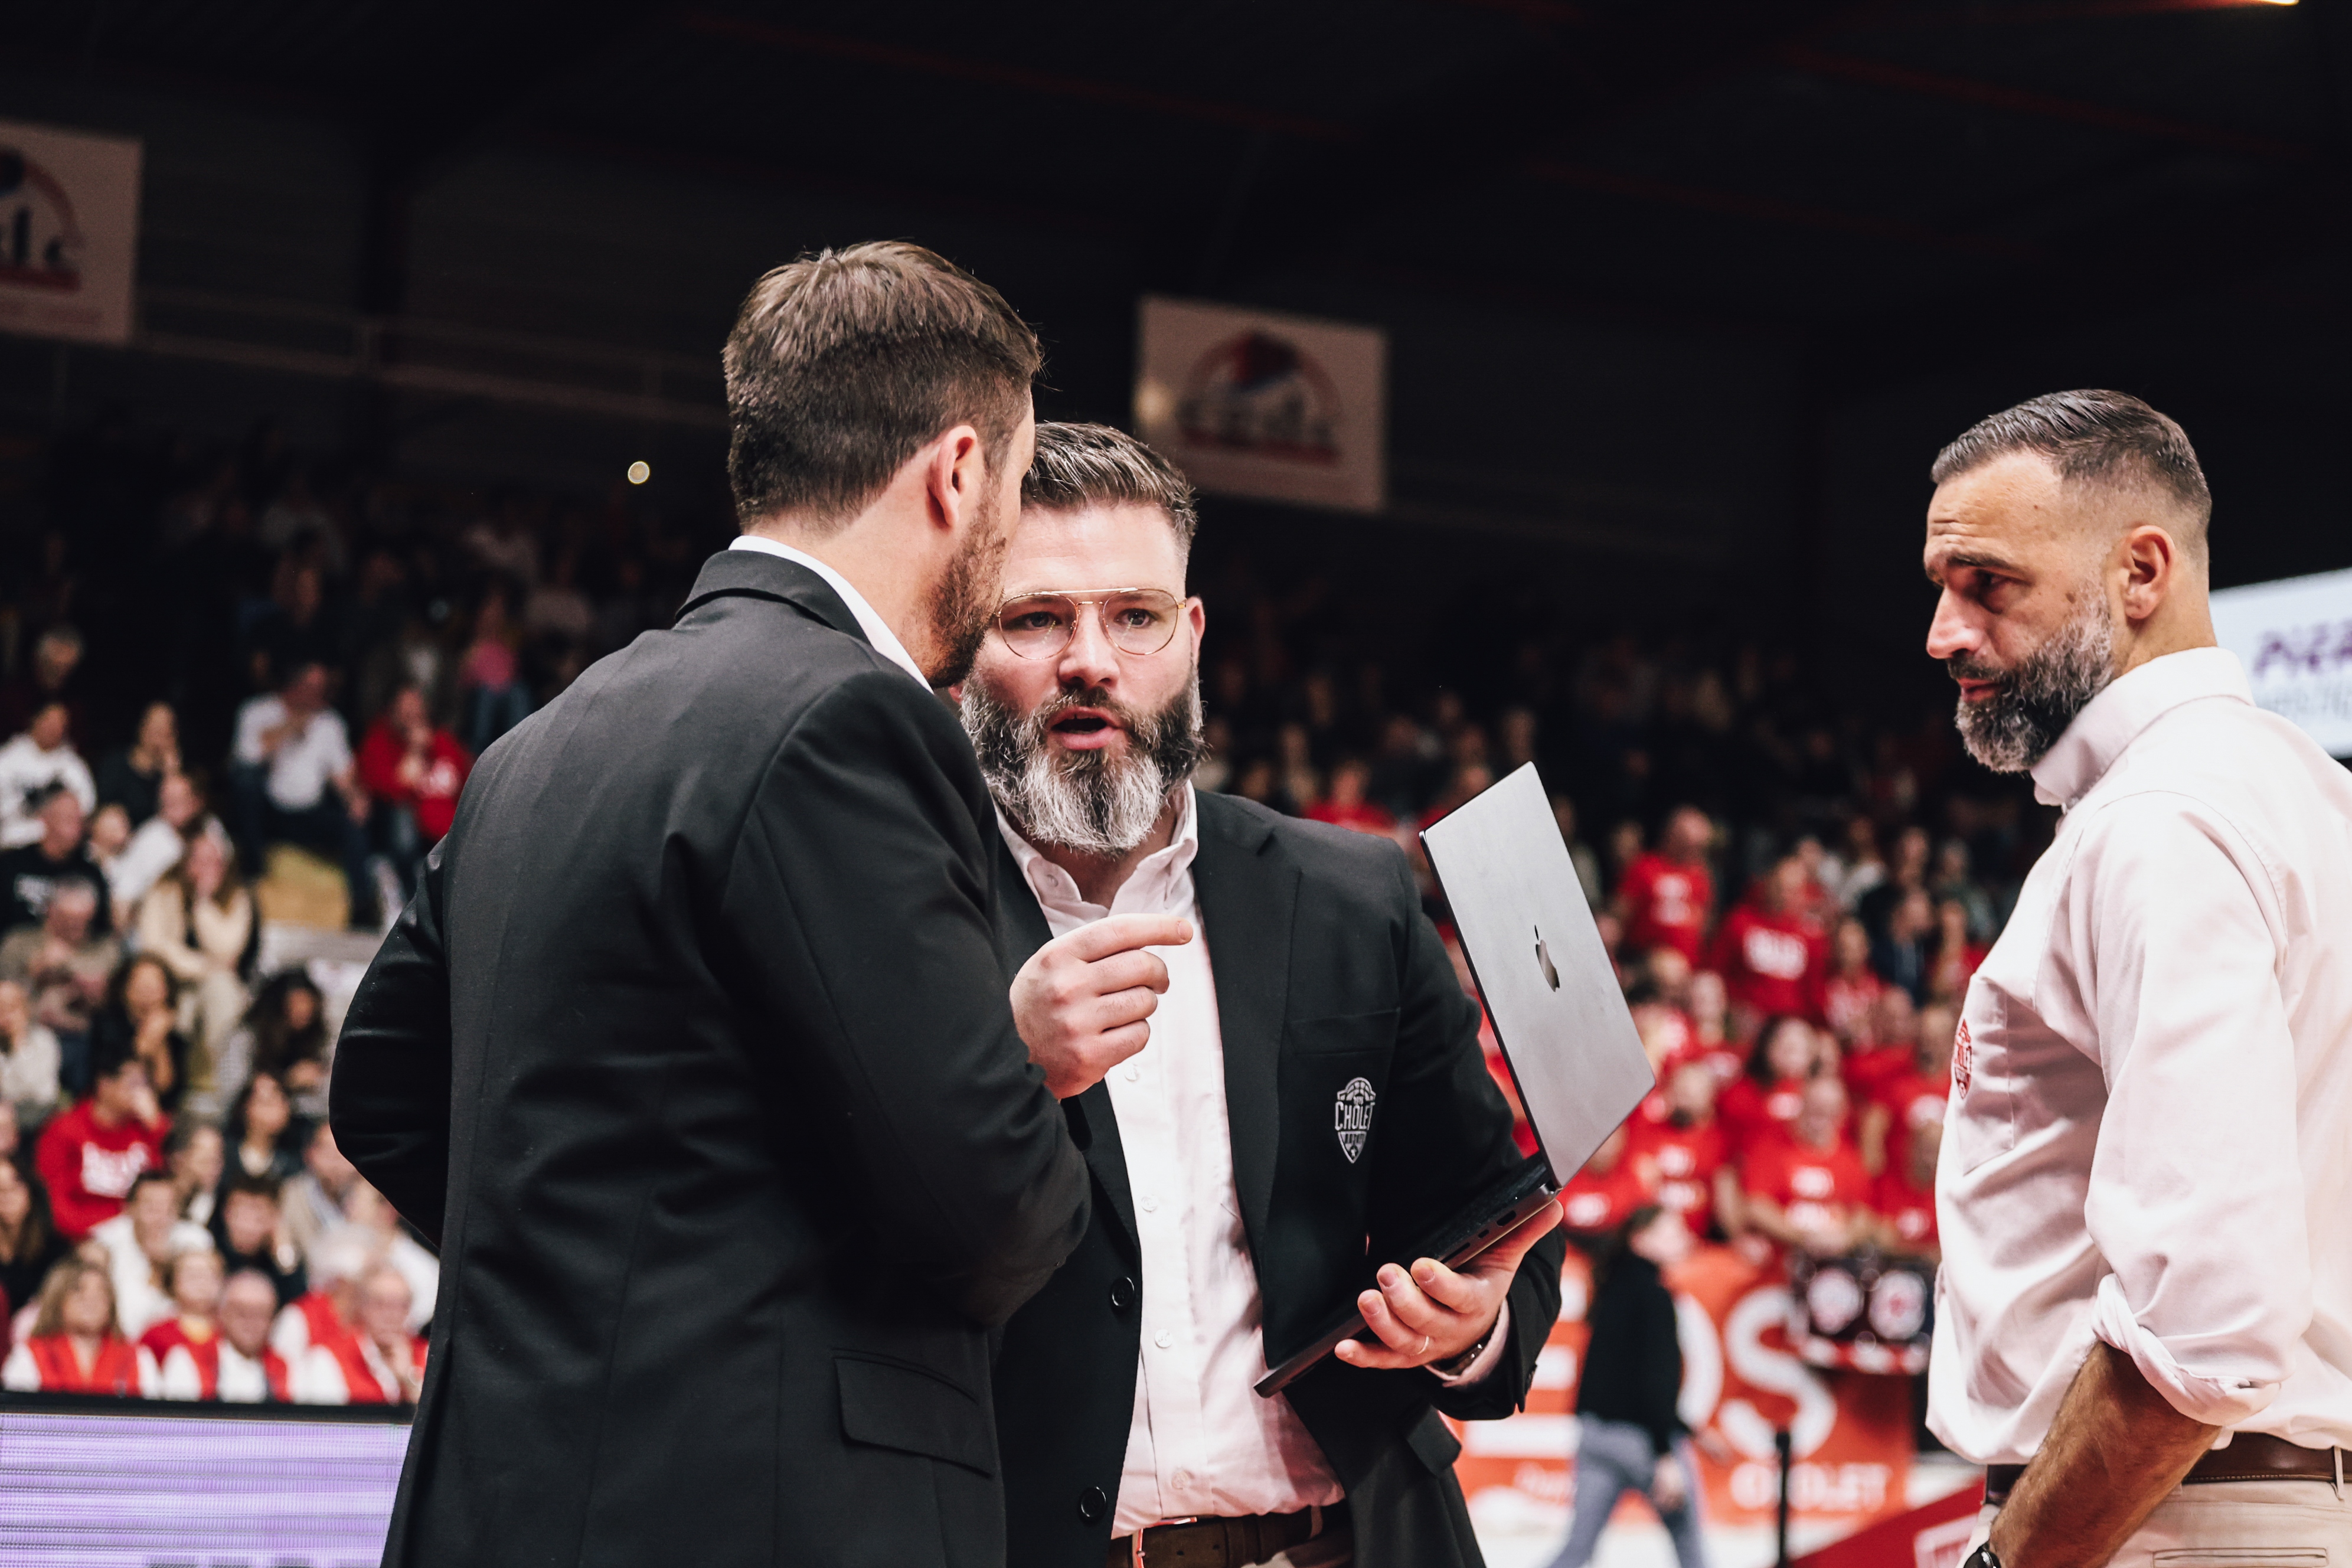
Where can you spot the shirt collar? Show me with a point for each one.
(2110, 721)
(1155, 886)
(877, 631)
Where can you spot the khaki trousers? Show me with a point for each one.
(2236, 1524)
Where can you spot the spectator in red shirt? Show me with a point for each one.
(414, 773)
(1682, 1158)
(1850, 987)
(1904, 1199)
(1886, 1051)
(1604, 1194)
(179, 1356)
(1667, 896)
(75, 1346)
(250, 1372)
(1914, 1099)
(1809, 1190)
(89, 1156)
(1347, 802)
(378, 1363)
(1757, 1108)
(1768, 951)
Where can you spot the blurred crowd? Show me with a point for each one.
(226, 675)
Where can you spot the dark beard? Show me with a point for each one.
(2031, 705)
(1101, 802)
(963, 601)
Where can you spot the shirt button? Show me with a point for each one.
(1183, 1481)
(1164, 1339)
(1151, 1205)
(1133, 1072)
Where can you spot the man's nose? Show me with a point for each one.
(1088, 659)
(1953, 630)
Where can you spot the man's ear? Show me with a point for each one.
(2150, 560)
(954, 477)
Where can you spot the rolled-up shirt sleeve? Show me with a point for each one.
(2196, 1194)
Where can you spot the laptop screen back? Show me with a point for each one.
(1538, 958)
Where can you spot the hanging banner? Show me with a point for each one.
(69, 233)
(2295, 637)
(1849, 1432)
(1254, 402)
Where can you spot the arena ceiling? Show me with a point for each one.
(1874, 170)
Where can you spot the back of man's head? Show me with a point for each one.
(2099, 440)
(844, 363)
(1081, 466)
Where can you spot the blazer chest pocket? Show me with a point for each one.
(1335, 1070)
(891, 1404)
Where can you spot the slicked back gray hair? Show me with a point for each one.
(844, 363)
(1079, 466)
(2094, 438)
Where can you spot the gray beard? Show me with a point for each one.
(1102, 802)
(2016, 726)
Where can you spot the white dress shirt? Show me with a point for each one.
(878, 630)
(305, 763)
(1201, 1441)
(2149, 1137)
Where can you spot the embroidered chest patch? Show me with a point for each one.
(1351, 1117)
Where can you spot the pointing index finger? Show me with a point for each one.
(1124, 933)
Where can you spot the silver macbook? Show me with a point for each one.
(1555, 1006)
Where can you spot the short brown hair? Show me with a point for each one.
(2096, 437)
(843, 363)
(1095, 465)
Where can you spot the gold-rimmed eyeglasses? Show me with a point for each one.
(1137, 621)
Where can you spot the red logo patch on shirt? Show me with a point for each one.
(1963, 1058)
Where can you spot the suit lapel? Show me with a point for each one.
(1024, 933)
(1247, 896)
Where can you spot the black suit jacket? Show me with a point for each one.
(694, 1052)
(1327, 971)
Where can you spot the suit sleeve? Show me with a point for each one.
(389, 1099)
(1453, 1136)
(861, 888)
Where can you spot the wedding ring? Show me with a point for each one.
(1424, 1344)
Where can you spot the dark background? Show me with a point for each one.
(1683, 297)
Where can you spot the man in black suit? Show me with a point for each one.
(693, 1051)
(1313, 1079)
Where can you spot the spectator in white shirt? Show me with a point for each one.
(29, 1059)
(159, 843)
(141, 1243)
(29, 764)
(2147, 1158)
(295, 783)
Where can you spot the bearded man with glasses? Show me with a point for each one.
(1313, 1077)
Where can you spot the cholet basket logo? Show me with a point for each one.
(1351, 1117)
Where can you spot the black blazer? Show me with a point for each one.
(694, 1053)
(1327, 971)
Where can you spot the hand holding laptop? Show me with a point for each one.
(1430, 1314)
(1082, 999)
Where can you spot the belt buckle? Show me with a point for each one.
(1135, 1541)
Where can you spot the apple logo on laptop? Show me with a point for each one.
(1543, 959)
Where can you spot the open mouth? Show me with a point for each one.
(1085, 728)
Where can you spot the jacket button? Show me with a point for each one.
(1093, 1504)
(1122, 1293)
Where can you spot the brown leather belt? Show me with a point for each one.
(2250, 1457)
(1222, 1542)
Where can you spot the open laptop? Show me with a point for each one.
(1555, 1006)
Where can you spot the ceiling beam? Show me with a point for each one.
(2042, 105)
